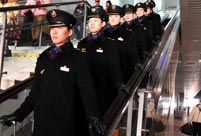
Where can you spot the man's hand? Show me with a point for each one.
(97, 125)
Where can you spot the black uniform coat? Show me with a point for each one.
(127, 48)
(157, 26)
(58, 88)
(104, 64)
(144, 32)
(140, 31)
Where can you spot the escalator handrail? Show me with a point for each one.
(15, 89)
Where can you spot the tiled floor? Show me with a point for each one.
(173, 125)
(172, 129)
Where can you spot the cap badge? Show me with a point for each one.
(93, 10)
(138, 4)
(53, 14)
(127, 6)
(114, 7)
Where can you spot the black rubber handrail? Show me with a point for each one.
(15, 89)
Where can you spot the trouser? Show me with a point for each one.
(148, 125)
(35, 31)
(197, 129)
(78, 28)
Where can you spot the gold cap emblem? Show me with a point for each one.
(114, 7)
(53, 14)
(127, 6)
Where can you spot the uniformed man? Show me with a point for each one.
(126, 41)
(151, 6)
(62, 84)
(129, 11)
(144, 28)
(97, 2)
(155, 19)
(103, 59)
(144, 32)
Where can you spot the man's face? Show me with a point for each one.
(114, 20)
(129, 17)
(81, 2)
(97, 3)
(148, 11)
(107, 4)
(140, 12)
(95, 25)
(60, 34)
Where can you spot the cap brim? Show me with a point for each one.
(93, 16)
(129, 12)
(55, 25)
(113, 14)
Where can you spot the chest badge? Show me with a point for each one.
(99, 50)
(65, 68)
(120, 39)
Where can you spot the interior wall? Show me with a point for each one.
(170, 3)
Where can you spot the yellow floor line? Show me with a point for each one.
(26, 55)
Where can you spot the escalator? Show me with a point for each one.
(126, 116)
